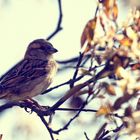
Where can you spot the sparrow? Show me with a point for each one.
(32, 75)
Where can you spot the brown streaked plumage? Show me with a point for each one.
(32, 75)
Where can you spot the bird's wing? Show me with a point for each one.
(25, 71)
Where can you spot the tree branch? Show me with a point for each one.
(72, 119)
(58, 28)
(77, 68)
(87, 138)
(46, 125)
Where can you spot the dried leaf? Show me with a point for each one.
(121, 100)
(138, 105)
(1, 136)
(103, 110)
(111, 9)
(135, 66)
(88, 34)
(126, 42)
(121, 72)
(122, 83)
(84, 71)
(131, 33)
(128, 111)
(101, 96)
(136, 116)
(115, 11)
(76, 102)
(108, 3)
(111, 90)
(102, 23)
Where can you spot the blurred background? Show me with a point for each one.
(22, 21)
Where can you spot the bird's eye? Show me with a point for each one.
(43, 48)
(49, 47)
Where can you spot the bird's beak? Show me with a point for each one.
(54, 50)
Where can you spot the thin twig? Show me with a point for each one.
(72, 119)
(46, 125)
(65, 83)
(44, 110)
(76, 109)
(73, 91)
(87, 138)
(58, 28)
(103, 135)
(70, 81)
(101, 130)
(77, 68)
(73, 60)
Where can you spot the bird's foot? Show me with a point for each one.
(30, 105)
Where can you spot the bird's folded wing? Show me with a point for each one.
(25, 71)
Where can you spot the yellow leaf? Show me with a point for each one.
(121, 72)
(131, 33)
(136, 116)
(84, 71)
(110, 9)
(103, 110)
(126, 42)
(108, 3)
(115, 12)
(111, 90)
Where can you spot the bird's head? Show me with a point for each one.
(40, 49)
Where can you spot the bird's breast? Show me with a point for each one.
(51, 68)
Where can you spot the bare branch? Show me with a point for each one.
(70, 81)
(86, 136)
(77, 68)
(58, 28)
(46, 125)
(102, 133)
(72, 119)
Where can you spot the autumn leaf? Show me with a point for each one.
(0, 136)
(101, 96)
(121, 72)
(111, 90)
(84, 71)
(103, 110)
(126, 42)
(135, 66)
(138, 104)
(115, 11)
(128, 111)
(76, 102)
(110, 9)
(88, 34)
(108, 3)
(121, 100)
(131, 33)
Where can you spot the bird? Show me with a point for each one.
(32, 75)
